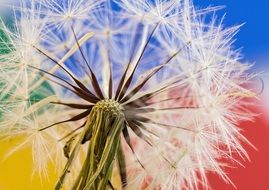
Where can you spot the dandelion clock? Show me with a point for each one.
(146, 90)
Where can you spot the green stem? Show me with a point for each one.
(103, 148)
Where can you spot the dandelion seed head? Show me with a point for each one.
(149, 84)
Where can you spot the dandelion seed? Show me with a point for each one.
(142, 86)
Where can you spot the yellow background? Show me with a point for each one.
(16, 171)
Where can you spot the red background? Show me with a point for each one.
(255, 175)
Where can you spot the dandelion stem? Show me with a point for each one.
(105, 123)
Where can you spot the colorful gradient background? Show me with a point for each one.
(16, 170)
(254, 38)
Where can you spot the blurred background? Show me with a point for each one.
(253, 40)
(16, 171)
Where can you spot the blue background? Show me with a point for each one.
(253, 37)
